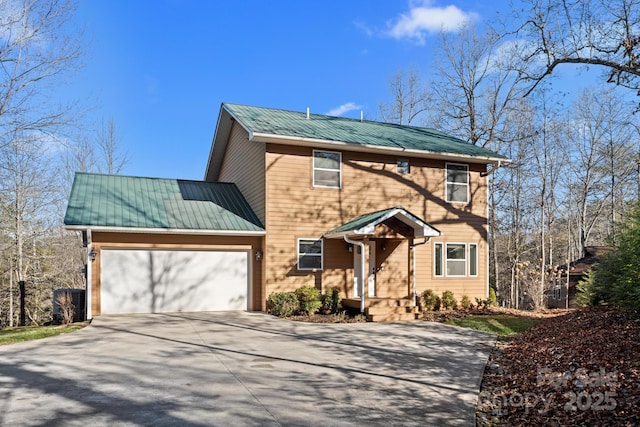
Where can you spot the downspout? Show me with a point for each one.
(413, 255)
(361, 245)
(87, 294)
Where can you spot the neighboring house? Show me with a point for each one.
(291, 199)
(558, 296)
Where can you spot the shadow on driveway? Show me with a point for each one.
(238, 368)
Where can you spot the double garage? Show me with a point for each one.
(149, 273)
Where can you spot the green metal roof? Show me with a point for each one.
(283, 123)
(107, 201)
(365, 224)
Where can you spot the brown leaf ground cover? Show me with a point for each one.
(578, 369)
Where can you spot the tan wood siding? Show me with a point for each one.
(370, 182)
(244, 165)
(105, 240)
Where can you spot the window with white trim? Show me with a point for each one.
(457, 183)
(453, 259)
(438, 259)
(456, 259)
(309, 254)
(473, 259)
(327, 169)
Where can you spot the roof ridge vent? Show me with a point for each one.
(308, 117)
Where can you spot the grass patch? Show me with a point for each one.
(501, 324)
(19, 334)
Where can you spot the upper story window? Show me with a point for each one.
(327, 169)
(403, 167)
(309, 254)
(457, 183)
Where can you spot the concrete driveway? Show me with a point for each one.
(237, 369)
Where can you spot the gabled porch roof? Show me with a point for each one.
(365, 225)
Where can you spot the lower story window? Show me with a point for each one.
(309, 254)
(455, 259)
(438, 260)
(473, 259)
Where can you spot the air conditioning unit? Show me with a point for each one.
(79, 304)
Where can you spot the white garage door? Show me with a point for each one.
(157, 281)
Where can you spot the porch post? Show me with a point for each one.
(412, 265)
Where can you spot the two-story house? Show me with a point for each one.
(379, 210)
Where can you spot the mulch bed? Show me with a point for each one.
(329, 318)
(578, 369)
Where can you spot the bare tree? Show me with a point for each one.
(410, 98)
(37, 50)
(29, 188)
(113, 158)
(475, 86)
(548, 159)
(603, 33)
(598, 158)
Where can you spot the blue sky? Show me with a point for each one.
(161, 68)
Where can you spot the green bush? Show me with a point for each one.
(308, 299)
(465, 302)
(586, 290)
(616, 277)
(331, 301)
(493, 299)
(483, 303)
(282, 304)
(429, 300)
(448, 301)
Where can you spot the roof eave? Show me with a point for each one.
(140, 230)
(323, 143)
(360, 233)
(220, 140)
(421, 228)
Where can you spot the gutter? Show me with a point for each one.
(167, 231)
(494, 168)
(361, 245)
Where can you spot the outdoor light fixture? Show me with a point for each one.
(258, 255)
(92, 254)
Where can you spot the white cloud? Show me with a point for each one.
(343, 109)
(364, 28)
(423, 19)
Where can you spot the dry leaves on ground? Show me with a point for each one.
(582, 368)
